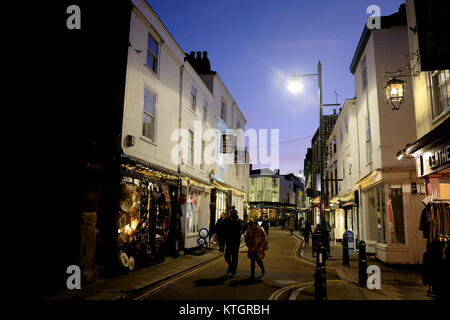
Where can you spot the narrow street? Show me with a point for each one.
(285, 272)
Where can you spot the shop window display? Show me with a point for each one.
(193, 211)
(142, 223)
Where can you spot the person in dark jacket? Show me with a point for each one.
(232, 242)
(265, 225)
(220, 231)
(307, 231)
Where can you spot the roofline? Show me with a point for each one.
(395, 19)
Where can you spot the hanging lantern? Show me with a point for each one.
(395, 92)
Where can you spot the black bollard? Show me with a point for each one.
(362, 264)
(345, 254)
(320, 283)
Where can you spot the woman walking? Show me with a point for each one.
(256, 239)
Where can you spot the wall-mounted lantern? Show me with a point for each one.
(395, 92)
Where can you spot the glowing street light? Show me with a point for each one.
(395, 92)
(294, 85)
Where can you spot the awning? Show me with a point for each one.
(224, 187)
(369, 180)
(436, 136)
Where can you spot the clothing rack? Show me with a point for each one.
(438, 200)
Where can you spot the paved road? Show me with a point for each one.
(285, 273)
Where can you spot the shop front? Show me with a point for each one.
(194, 212)
(147, 223)
(390, 217)
(432, 159)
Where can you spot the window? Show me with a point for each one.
(343, 169)
(193, 98)
(368, 141)
(223, 110)
(346, 124)
(191, 147)
(364, 74)
(440, 91)
(334, 145)
(349, 169)
(202, 164)
(152, 54)
(205, 110)
(395, 215)
(148, 128)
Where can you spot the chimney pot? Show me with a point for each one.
(199, 54)
(205, 54)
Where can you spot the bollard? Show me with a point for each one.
(345, 254)
(320, 283)
(362, 264)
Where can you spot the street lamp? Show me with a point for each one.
(294, 85)
(395, 92)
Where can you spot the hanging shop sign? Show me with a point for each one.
(227, 143)
(433, 160)
(240, 156)
(433, 31)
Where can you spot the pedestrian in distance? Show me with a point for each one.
(306, 231)
(232, 242)
(255, 240)
(327, 229)
(220, 231)
(265, 225)
(291, 225)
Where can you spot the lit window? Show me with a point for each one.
(440, 83)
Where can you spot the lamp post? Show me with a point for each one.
(295, 87)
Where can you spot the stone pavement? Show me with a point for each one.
(397, 282)
(120, 287)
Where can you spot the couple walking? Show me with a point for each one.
(255, 239)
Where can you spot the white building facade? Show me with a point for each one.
(388, 209)
(164, 96)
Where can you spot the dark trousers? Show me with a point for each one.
(252, 265)
(231, 256)
(306, 236)
(221, 241)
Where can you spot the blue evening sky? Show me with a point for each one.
(256, 45)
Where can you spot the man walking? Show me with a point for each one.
(232, 241)
(220, 231)
(265, 225)
(307, 231)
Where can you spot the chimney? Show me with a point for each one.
(205, 54)
(199, 55)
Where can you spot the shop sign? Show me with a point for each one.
(433, 31)
(433, 161)
(227, 143)
(239, 156)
